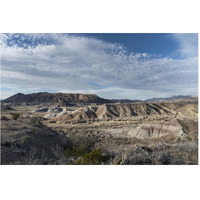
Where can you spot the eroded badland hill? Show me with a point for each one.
(46, 128)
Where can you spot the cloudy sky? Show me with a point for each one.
(134, 66)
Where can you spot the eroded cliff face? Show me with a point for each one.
(115, 111)
(169, 129)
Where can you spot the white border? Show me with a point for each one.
(99, 182)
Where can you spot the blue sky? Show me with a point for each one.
(160, 44)
(134, 66)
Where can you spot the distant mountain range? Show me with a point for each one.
(178, 97)
(125, 101)
(69, 98)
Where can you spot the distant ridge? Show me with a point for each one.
(45, 97)
(70, 98)
(177, 97)
(125, 100)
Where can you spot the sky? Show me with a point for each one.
(122, 66)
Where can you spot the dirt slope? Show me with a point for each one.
(35, 143)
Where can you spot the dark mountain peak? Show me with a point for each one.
(19, 93)
(45, 97)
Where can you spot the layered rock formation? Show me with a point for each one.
(169, 129)
(113, 111)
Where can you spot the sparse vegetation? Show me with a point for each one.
(85, 156)
(33, 139)
(34, 120)
(4, 118)
(94, 157)
(77, 151)
(33, 129)
(15, 116)
(84, 153)
(162, 154)
(189, 138)
(25, 139)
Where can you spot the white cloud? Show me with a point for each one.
(188, 44)
(77, 63)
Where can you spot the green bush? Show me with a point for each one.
(94, 157)
(77, 151)
(4, 118)
(178, 140)
(85, 156)
(189, 138)
(15, 116)
(25, 139)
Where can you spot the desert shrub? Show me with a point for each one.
(85, 156)
(6, 144)
(178, 140)
(37, 122)
(94, 157)
(166, 159)
(33, 130)
(34, 119)
(196, 139)
(145, 148)
(189, 138)
(141, 160)
(77, 151)
(4, 118)
(25, 139)
(15, 116)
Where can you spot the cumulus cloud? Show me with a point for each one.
(76, 63)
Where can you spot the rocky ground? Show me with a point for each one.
(136, 133)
